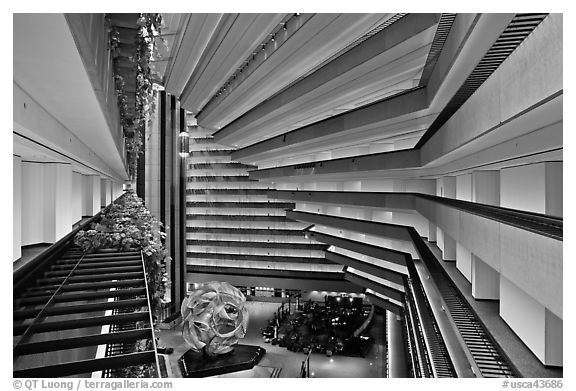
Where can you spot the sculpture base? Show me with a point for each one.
(243, 357)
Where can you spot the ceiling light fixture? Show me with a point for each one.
(184, 144)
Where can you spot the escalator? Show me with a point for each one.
(487, 354)
(434, 358)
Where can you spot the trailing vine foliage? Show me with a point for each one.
(127, 225)
(149, 28)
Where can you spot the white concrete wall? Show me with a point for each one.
(351, 186)
(446, 187)
(16, 207)
(486, 187)
(538, 328)
(485, 280)
(533, 187)
(534, 263)
(424, 186)
(377, 185)
(524, 188)
(406, 143)
(524, 315)
(411, 219)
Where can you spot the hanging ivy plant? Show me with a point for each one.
(127, 225)
(149, 29)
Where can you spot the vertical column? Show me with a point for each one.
(76, 195)
(449, 247)
(485, 280)
(141, 165)
(171, 119)
(553, 339)
(554, 187)
(16, 207)
(168, 168)
(464, 261)
(60, 197)
(115, 193)
(446, 187)
(464, 187)
(111, 190)
(152, 162)
(180, 205)
(86, 195)
(90, 195)
(46, 200)
(397, 360)
(105, 195)
(32, 203)
(432, 232)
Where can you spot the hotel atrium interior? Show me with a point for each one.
(370, 195)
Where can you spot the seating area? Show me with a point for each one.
(332, 327)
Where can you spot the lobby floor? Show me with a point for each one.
(280, 362)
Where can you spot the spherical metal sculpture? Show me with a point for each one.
(214, 318)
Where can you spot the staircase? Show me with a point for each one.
(69, 305)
